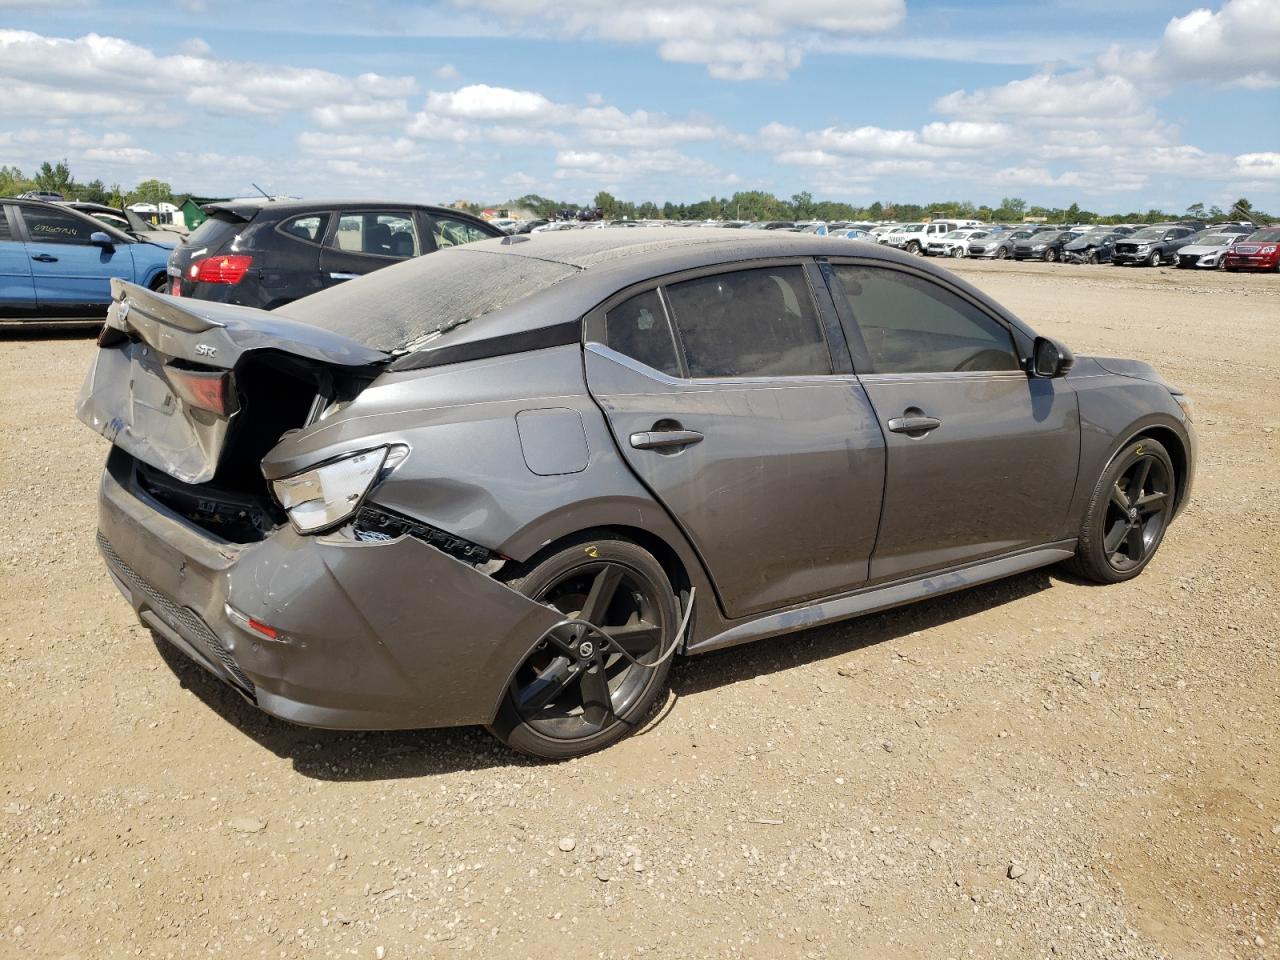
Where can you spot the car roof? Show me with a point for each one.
(251, 207)
(565, 274)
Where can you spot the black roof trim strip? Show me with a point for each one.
(557, 335)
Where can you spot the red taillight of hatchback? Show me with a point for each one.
(229, 269)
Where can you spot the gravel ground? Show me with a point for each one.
(1037, 768)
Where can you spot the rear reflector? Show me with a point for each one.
(229, 269)
(175, 287)
(271, 633)
(207, 389)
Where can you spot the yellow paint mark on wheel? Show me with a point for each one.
(592, 551)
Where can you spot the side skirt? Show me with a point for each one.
(886, 596)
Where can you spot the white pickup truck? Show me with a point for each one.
(915, 237)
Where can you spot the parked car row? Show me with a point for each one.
(57, 258)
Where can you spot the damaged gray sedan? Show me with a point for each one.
(508, 483)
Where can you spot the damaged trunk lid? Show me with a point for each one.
(179, 384)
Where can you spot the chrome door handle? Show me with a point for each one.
(343, 276)
(915, 424)
(44, 258)
(658, 439)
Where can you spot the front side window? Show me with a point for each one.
(5, 232)
(381, 233)
(452, 233)
(639, 329)
(55, 226)
(752, 323)
(914, 325)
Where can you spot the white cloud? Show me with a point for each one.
(1060, 97)
(483, 102)
(734, 39)
(447, 72)
(1236, 45)
(1258, 166)
(86, 69)
(597, 165)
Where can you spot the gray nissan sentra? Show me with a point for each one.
(507, 483)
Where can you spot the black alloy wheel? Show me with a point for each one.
(575, 692)
(1128, 514)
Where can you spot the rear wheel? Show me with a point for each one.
(1128, 514)
(915, 249)
(575, 692)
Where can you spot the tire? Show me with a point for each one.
(554, 731)
(956, 253)
(1002, 254)
(160, 284)
(1092, 258)
(914, 249)
(1050, 255)
(1098, 555)
(1153, 259)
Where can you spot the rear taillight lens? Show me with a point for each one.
(206, 389)
(229, 269)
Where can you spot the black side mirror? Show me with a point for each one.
(1050, 358)
(100, 239)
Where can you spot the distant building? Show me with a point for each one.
(157, 213)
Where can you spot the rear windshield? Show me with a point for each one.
(403, 307)
(215, 233)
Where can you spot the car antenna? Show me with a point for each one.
(260, 190)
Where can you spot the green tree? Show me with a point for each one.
(607, 204)
(54, 177)
(151, 191)
(94, 192)
(12, 182)
(802, 205)
(1196, 210)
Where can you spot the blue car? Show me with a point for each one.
(57, 264)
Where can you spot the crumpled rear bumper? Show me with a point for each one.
(390, 635)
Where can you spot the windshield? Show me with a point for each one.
(955, 235)
(1148, 233)
(404, 306)
(1047, 237)
(1218, 240)
(1265, 236)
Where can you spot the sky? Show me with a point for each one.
(1117, 106)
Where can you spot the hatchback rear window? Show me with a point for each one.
(215, 233)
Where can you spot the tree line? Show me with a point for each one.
(56, 178)
(744, 205)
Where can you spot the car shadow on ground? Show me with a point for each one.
(403, 754)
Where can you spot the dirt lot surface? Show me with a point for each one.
(863, 790)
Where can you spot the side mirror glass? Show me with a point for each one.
(1049, 358)
(100, 239)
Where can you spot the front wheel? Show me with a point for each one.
(1153, 260)
(956, 252)
(576, 692)
(1050, 255)
(1092, 258)
(1128, 513)
(915, 249)
(1002, 254)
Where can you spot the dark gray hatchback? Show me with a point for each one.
(506, 484)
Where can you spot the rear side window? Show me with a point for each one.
(309, 227)
(752, 323)
(215, 233)
(5, 232)
(913, 325)
(453, 233)
(639, 329)
(381, 233)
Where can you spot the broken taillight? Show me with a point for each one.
(206, 389)
(220, 269)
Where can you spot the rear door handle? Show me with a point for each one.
(657, 439)
(44, 258)
(914, 424)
